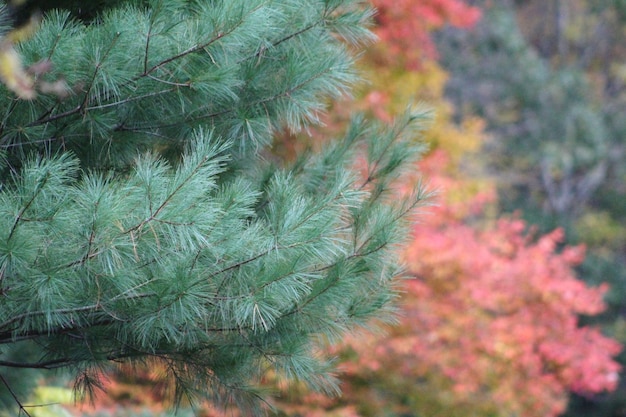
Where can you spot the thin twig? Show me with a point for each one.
(17, 400)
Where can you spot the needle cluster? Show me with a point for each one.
(139, 223)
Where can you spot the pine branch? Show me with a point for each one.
(171, 197)
(8, 334)
(20, 216)
(138, 128)
(198, 256)
(83, 107)
(146, 73)
(97, 69)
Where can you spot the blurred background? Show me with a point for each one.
(515, 303)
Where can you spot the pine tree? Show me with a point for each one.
(142, 220)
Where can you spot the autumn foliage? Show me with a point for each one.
(494, 311)
(404, 26)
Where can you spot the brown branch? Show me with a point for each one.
(14, 395)
(20, 215)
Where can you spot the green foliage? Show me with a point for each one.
(148, 77)
(553, 139)
(139, 224)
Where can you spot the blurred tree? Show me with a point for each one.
(551, 142)
(547, 78)
(504, 337)
(558, 137)
(141, 225)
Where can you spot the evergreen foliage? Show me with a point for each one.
(140, 224)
